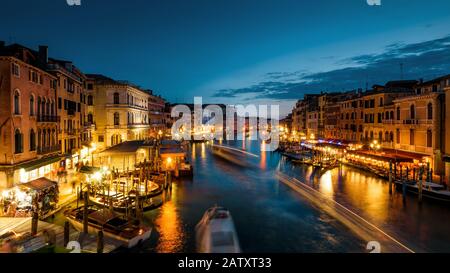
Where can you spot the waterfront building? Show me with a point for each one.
(121, 111)
(329, 110)
(305, 125)
(419, 123)
(157, 115)
(28, 123)
(445, 85)
(378, 107)
(299, 118)
(312, 124)
(351, 117)
(71, 109)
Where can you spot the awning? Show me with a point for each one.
(40, 184)
(31, 165)
(386, 157)
(89, 169)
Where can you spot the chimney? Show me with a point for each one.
(43, 53)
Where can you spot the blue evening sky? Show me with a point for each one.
(239, 51)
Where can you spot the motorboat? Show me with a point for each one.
(113, 225)
(216, 233)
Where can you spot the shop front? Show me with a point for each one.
(40, 194)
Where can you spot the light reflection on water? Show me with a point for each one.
(169, 225)
(268, 216)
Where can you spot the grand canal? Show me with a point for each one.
(270, 217)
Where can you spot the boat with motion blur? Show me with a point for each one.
(216, 233)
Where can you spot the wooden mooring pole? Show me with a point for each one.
(100, 242)
(85, 212)
(420, 184)
(66, 233)
(390, 177)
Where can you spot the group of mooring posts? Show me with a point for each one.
(51, 239)
(417, 177)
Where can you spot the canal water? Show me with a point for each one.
(270, 217)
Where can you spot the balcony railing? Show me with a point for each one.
(410, 121)
(47, 118)
(70, 132)
(48, 150)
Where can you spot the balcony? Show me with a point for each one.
(89, 126)
(47, 118)
(410, 121)
(87, 142)
(48, 150)
(137, 125)
(70, 132)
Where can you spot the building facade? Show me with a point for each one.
(121, 111)
(71, 109)
(28, 122)
(156, 114)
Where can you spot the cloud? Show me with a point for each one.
(425, 60)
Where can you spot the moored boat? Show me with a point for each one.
(429, 190)
(216, 233)
(113, 225)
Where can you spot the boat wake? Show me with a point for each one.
(358, 225)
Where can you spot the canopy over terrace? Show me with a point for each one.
(384, 156)
(40, 184)
(126, 155)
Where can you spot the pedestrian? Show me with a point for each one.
(73, 186)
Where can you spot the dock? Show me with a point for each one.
(23, 225)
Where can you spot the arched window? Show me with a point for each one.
(52, 108)
(381, 101)
(392, 115)
(386, 136)
(116, 119)
(17, 102)
(430, 110)
(32, 140)
(31, 105)
(380, 136)
(116, 98)
(429, 138)
(90, 100)
(412, 111)
(398, 113)
(90, 118)
(391, 136)
(39, 106)
(18, 142)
